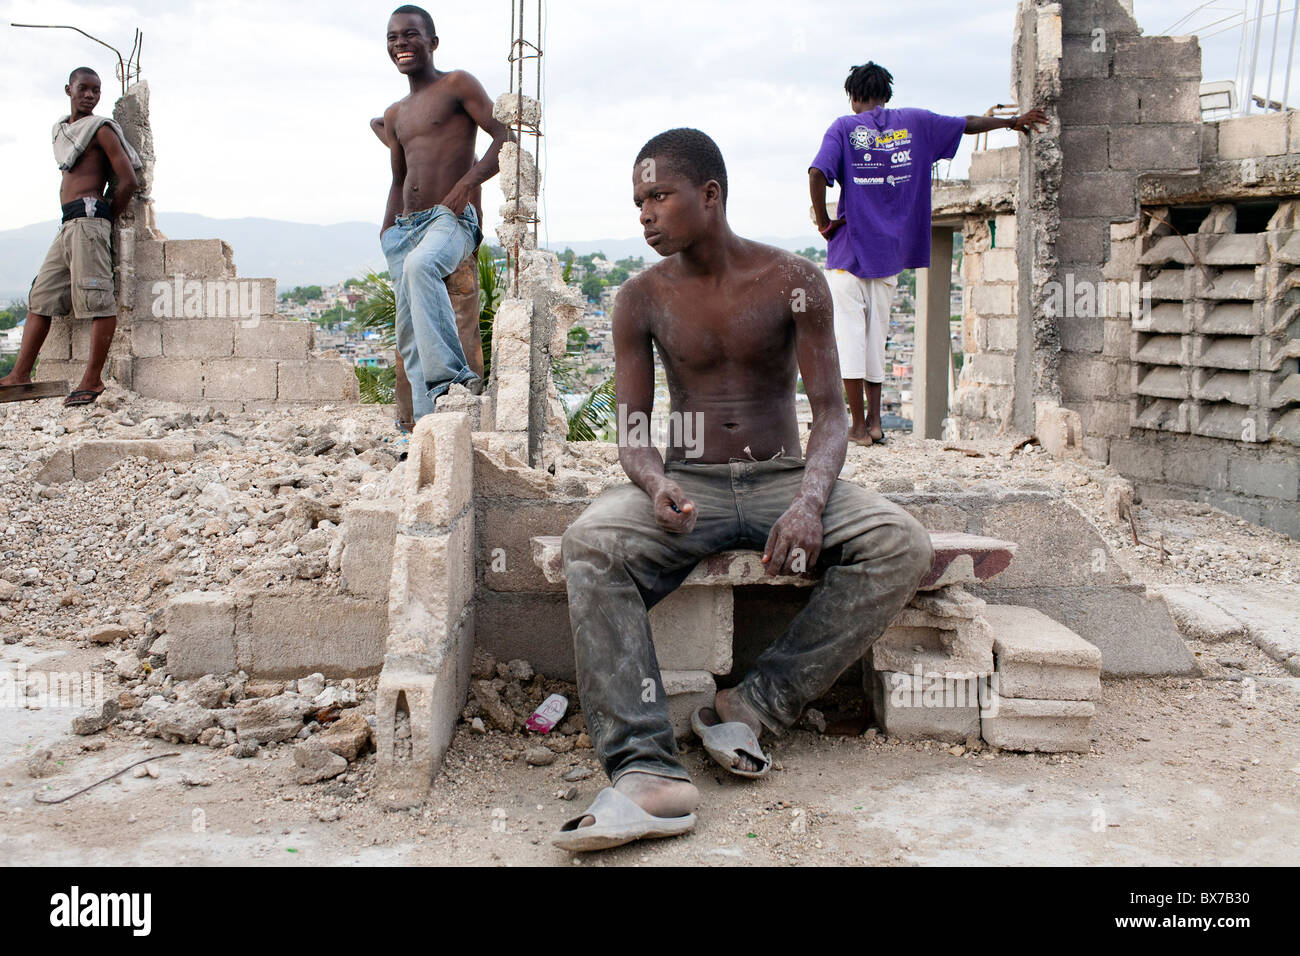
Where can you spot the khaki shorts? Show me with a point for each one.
(861, 322)
(76, 277)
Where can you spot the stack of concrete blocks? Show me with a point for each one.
(189, 329)
(531, 327)
(1045, 682)
(430, 639)
(990, 280)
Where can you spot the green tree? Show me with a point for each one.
(13, 314)
(302, 294)
(617, 276)
(578, 337)
(592, 287)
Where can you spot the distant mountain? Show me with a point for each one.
(631, 248)
(293, 253)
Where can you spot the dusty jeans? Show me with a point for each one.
(423, 249)
(619, 563)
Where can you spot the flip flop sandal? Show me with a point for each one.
(726, 742)
(82, 396)
(619, 820)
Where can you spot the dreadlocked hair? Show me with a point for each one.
(870, 82)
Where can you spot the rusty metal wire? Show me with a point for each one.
(128, 70)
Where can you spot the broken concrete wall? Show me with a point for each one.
(189, 328)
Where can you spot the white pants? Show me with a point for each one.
(861, 322)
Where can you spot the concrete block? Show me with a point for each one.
(1084, 149)
(330, 380)
(499, 474)
(431, 587)
(146, 339)
(687, 691)
(991, 300)
(1039, 658)
(990, 369)
(1059, 430)
(1097, 102)
(170, 380)
(1050, 726)
(308, 631)
(505, 543)
(923, 707)
(273, 338)
(369, 532)
(1000, 266)
(1106, 419)
(519, 177)
(987, 165)
(1281, 516)
(692, 629)
(1079, 60)
(1158, 57)
(200, 634)
(57, 469)
(1001, 335)
(1055, 542)
(1005, 231)
(1200, 619)
(1244, 137)
(547, 641)
(953, 647)
(242, 379)
(1082, 334)
(1085, 195)
(438, 478)
(1133, 631)
(1084, 377)
(58, 341)
(1266, 477)
(415, 720)
(1151, 148)
(149, 259)
(92, 458)
(52, 370)
(199, 259)
(198, 338)
(1168, 101)
(1137, 459)
(1082, 240)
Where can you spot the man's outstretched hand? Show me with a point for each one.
(673, 510)
(1026, 122)
(795, 541)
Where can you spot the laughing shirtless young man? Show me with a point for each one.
(431, 222)
(734, 322)
(76, 277)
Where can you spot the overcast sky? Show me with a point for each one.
(261, 109)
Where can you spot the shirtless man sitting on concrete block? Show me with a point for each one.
(734, 322)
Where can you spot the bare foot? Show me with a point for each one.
(732, 707)
(860, 436)
(12, 379)
(657, 796)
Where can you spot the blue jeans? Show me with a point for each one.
(422, 250)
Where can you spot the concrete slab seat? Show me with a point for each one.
(936, 672)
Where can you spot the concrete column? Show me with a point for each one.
(933, 359)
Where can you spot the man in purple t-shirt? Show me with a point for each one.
(881, 158)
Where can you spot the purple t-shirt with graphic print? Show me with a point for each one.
(882, 160)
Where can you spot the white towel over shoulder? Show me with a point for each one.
(72, 139)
